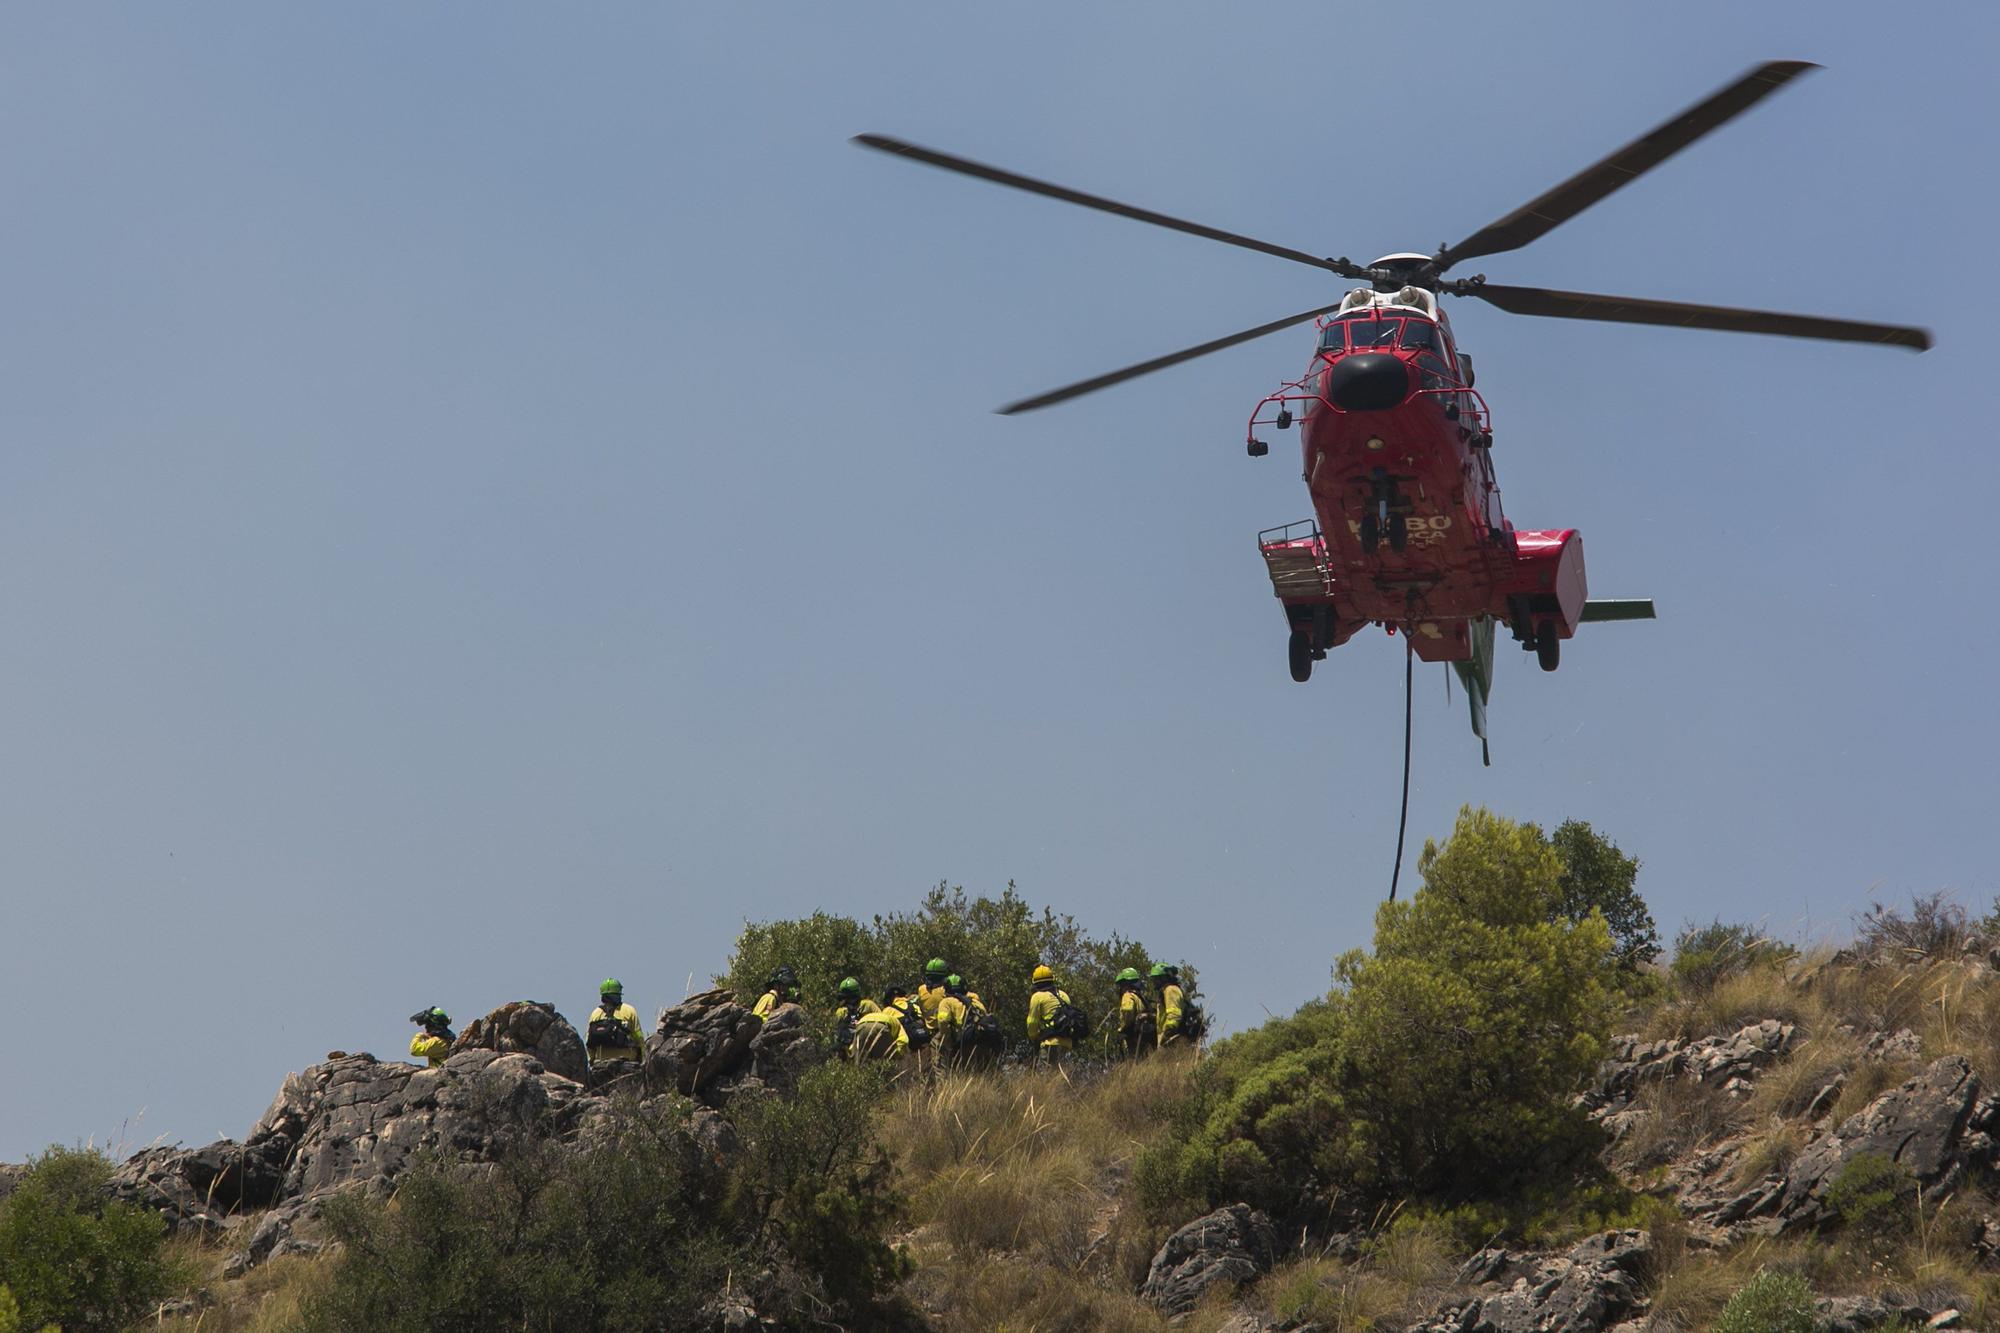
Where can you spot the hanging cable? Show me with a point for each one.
(1409, 702)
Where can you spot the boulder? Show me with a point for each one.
(1920, 1124)
(698, 1040)
(1233, 1244)
(529, 1027)
(1854, 1314)
(783, 1048)
(1596, 1284)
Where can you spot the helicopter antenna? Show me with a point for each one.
(1409, 698)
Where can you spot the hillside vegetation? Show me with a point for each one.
(1507, 1114)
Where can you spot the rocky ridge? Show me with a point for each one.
(517, 1074)
(354, 1122)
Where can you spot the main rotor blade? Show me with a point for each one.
(967, 167)
(1729, 319)
(1082, 387)
(1539, 216)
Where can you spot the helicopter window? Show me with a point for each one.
(1331, 339)
(1419, 335)
(1365, 333)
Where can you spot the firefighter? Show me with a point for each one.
(1136, 1030)
(976, 1037)
(849, 1006)
(434, 1037)
(931, 992)
(614, 1032)
(1051, 1030)
(1172, 1004)
(781, 988)
(880, 1034)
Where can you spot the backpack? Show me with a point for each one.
(1068, 1020)
(608, 1033)
(843, 1032)
(981, 1029)
(914, 1026)
(1194, 1023)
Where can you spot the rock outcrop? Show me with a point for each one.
(1731, 1063)
(529, 1027)
(1233, 1244)
(699, 1040)
(1594, 1285)
(1919, 1125)
(515, 1076)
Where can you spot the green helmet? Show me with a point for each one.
(849, 986)
(936, 968)
(611, 986)
(1130, 974)
(440, 1017)
(954, 982)
(1164, 971)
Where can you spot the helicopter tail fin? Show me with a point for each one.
(1476, 675)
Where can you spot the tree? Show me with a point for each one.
(1481, 1011)
(1441, 1069)
(1596, 875)
(74, 1257)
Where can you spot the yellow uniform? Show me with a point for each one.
(629, 1016)
(1041, 1013)
(948, 1021)
(880, 1036)
(424, 1046)
(928, 1000)
(1171, 1000)
(865, 1007)
(1133, 1020)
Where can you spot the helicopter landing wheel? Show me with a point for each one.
(1399, 532)
(1371, 533)
(1548, 647)
(1300, 651)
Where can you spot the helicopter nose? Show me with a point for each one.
(1367, 382)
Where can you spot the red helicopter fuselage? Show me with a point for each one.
(1396, 448)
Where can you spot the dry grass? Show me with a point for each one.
(1760, 992)
(1680, 1116)
(268, 1299)
(1405, 1275)
(1788, 1087)
(1771, 1149)
(1000, 1297)
(1019, 1191)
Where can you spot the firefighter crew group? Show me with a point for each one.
(945, 1021)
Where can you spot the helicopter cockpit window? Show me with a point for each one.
(1363, 334)
(1331, 339)
(1418, 335)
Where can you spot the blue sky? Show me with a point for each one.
(495, 498)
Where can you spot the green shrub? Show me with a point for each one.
(1869, 1192)
(1770, 1302)
(994, 943)
(71, 1256)
(1442, 1067)
(641, 1227)
(1704, 955)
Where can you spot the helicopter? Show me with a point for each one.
(1396, 442)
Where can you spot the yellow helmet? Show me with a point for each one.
(1043, 972)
